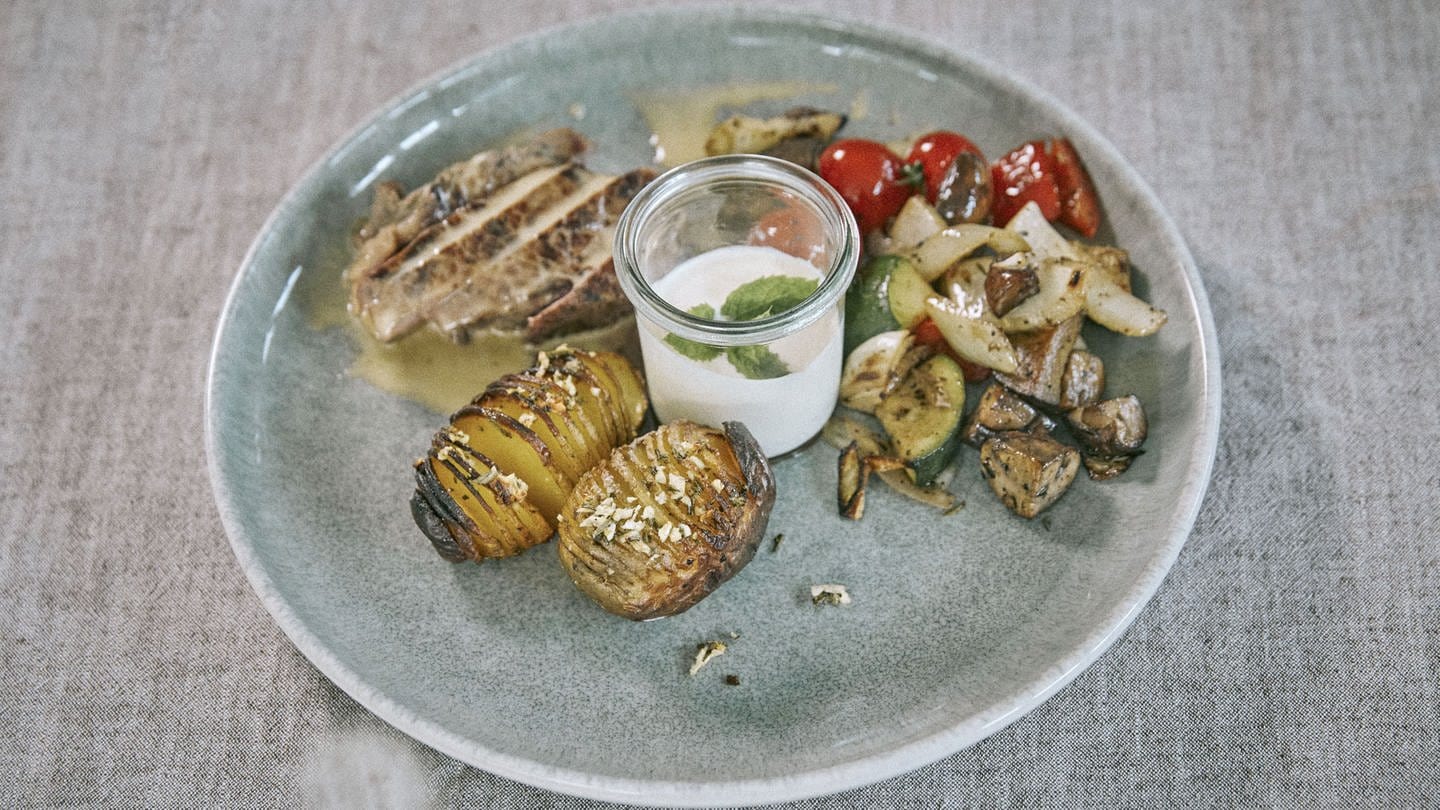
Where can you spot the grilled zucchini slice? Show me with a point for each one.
(923, 416)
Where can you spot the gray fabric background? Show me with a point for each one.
(1292, 658)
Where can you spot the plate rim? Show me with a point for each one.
(850, 773)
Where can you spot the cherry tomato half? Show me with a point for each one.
(789, 230)
(935, 152)
(869, 176)
(1026, 174)
(1079, 205)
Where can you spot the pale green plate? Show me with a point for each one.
(959, 625)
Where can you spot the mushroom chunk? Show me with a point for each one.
(1110, 432)
(1028, 471)
(1042, 356)
(1084, 380)
(965, 194)
(1000, 409)
(1008, 283)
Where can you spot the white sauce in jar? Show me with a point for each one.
(783, 412)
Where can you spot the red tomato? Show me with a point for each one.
(934, 153)
(1027, 174)
(928, 334)
(789, 231)
(973, 372)
(869, 176)
(1079, 205)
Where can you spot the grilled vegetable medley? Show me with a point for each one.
(968, 281)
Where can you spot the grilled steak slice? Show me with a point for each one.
(594, 301)
(541, 264)
(395, 220)
(518, 242)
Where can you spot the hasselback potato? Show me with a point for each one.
(666, 519)
(497, 476)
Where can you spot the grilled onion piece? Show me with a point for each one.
(667, 518)
(497, 475)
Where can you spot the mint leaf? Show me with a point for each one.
(689, 348)
(756, 362)
(767, 295)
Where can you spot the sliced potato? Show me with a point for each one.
(467, 509)
(624, 382)
(550, 426)
(587, 396)
(588, 440)
(498, 474)
(515, 448)
(667, 519)
(517, 523)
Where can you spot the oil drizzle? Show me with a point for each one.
(428, 368)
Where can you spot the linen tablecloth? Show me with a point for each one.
(1291, 658)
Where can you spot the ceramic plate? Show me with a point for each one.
(959, 624)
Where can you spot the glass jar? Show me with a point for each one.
(737, 268)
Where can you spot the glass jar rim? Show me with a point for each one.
(827, 202)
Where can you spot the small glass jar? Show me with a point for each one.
(698, 252)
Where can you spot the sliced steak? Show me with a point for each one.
(504, 234)
(541, 265)
(594, 301)
(396, 220)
